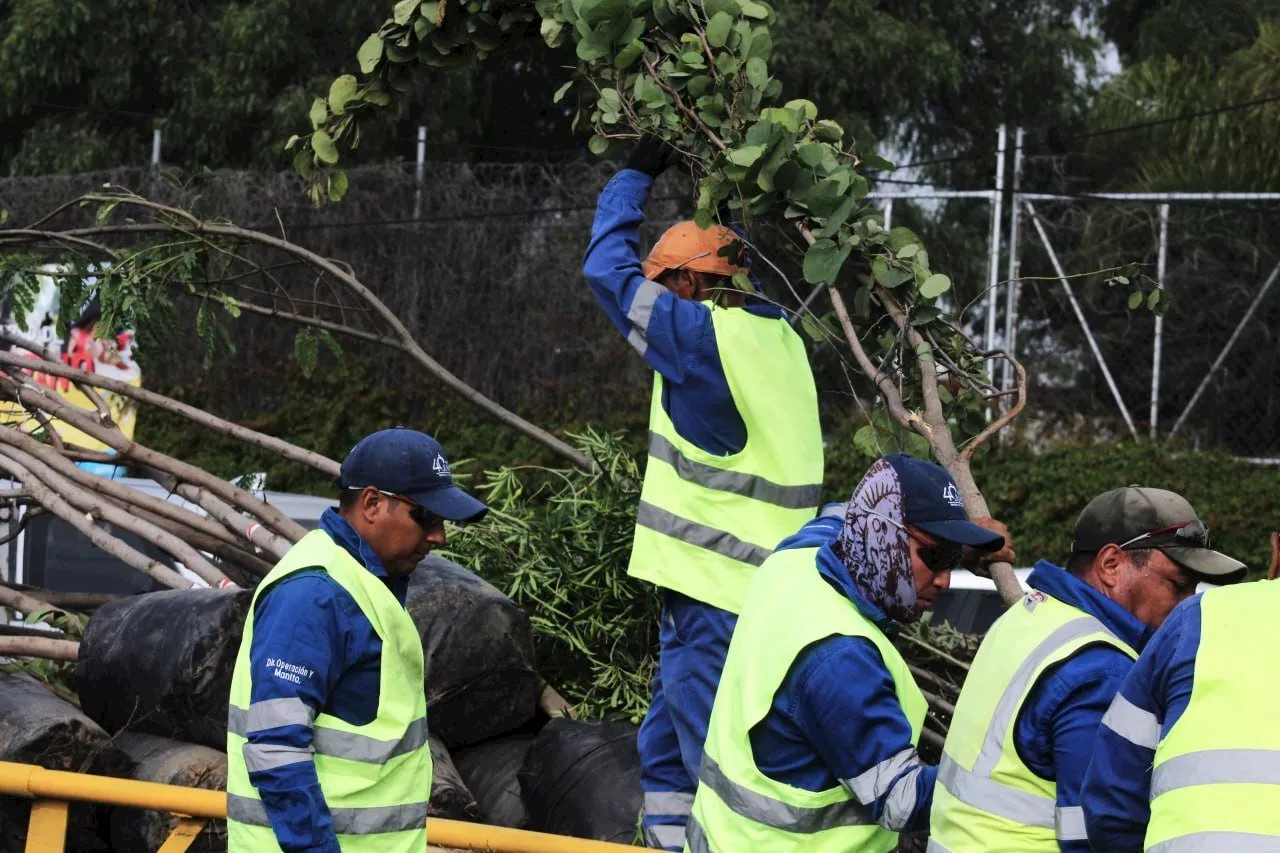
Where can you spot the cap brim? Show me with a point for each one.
(963, 533)
(451, 504)
(1202, 560)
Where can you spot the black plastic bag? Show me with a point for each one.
(583, 779)
(481, 678)
(168, 762)
(491, 771)
(37, 727)
(161, 663)
(450, 797)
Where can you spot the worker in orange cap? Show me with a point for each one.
(735, 457)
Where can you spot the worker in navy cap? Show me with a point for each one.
(327, 737)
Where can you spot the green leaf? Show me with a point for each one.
(718, 29)
(822, 261)
(828, 131)
(901, 236)
(752, 9)
(747, 155)
(628, 55)
(322, 144)
(812, 153)
(369, 53)
(306, 350)
(293, 140)
(866, 442)
(1135, 300)
(838, 217)
(924, 352)
(561, 92)
(597, 145)
(807, 109)
(404, 11)
(341, 91)
(757, 73)
(704, 218)
(812, 328)
(1153, 299)
(337, 185)
(908, 251)
(319, 113)
(304, 164)
(935, 285)
(888, 274)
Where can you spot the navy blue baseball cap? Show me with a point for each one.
(412, 464)
(931, 502)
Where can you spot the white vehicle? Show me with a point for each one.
(50, 554)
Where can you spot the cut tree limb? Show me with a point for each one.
(292, 452)
(36, 647)
(257, 535)
(28, 604)
(99, 537)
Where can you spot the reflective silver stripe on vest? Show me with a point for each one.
(269, 756)
(699, 535)
(326, 741)
(1216, 767)
(663, 836)
(993, 746)
(735, 482)
(935, 847)
(775, 813)
(989, 796)
(695, 838)
(876, 782)
(901, 801)
(1135, 725)
(641, 310)
(370, 821)
(1069, 824)
(976, 788)
(269, 714)
(1218, 842)
(357, 747)
(676, 803)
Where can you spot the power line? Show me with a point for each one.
(1109, 131)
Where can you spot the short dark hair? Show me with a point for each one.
(1080, 561)
(347, 499)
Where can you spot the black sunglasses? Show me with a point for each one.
(424, 517)
(939, 558)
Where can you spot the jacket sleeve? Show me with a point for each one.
(1058, 727)
(847, 705)
(1117, 786)
(669, 332)
(297, 655)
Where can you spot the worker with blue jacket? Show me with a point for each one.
(812, 743)
(327, 733)
(1187, 754)
(1029, 712)
(735, 457)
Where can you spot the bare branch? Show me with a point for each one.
(35, 647)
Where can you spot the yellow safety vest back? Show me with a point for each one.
(1215, 783)
(986, 799)
(376, 778)
(706, 522)
(738, 808)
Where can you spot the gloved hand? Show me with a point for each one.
(652, 155)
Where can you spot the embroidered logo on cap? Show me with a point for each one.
(441, 466)
(952, 496)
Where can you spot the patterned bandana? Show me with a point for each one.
(876, 552)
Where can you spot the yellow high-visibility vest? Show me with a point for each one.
(376, 778)
(738, 808)
(986, 799)
(706, 522)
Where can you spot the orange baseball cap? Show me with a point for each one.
(686, 246)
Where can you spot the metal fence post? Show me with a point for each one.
(1015, 287)
(993, 267)
(1157, 347)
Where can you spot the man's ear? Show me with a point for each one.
(1108, 565)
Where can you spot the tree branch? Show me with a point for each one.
(35, 647)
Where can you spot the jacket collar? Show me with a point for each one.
(341, 531)
(1069, 589)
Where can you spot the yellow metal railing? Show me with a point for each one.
(54, 791)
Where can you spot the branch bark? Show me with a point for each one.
(99, 537)
(257, 535)
(28, 604)
(292, 452)
(35, 647)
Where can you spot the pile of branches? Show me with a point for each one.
(222, 534)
